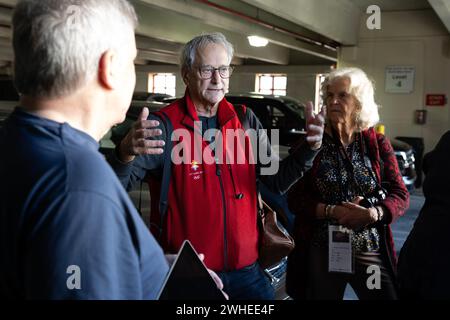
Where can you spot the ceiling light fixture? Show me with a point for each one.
(256, 41)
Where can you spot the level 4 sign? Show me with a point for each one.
(399, 79)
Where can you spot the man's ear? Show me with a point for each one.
(108, 69)
(185, 75)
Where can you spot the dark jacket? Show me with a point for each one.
(204, 205)
(64, 215)
(303, 199)
(424, 261)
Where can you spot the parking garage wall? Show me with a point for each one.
(142, 73)
(408, 38)
(301, 80)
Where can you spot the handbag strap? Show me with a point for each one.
(241, 114)
(260, 206)
(167, 169)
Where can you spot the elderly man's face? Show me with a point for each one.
(208, 92)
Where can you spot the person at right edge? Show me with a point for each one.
(354, 165)
(424, 262)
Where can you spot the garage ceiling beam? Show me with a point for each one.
(157, 56)
(5, 16)
(6, 53)
(442, 9)
(157, 45)
(336, 19)
(8, 3)
(5, 32)
(199, 17)
(168, 25)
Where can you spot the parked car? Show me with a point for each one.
(3, 116)
(150, 96)
(283, 113)
(406, 162)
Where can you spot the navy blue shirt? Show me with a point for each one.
(65, 219)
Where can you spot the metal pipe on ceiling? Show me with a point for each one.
(297, 35)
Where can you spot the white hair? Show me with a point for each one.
(187, 58)
(58, 43)
(362, 89)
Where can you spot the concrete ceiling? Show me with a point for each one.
(301, 32)
(442, 8)
(393, 5)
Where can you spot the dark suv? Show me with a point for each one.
(275, 112)
(150, 96)
(406, 162)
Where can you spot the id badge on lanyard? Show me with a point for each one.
(340, 252)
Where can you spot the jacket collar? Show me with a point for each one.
(225, 111)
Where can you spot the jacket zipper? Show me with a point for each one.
(225, 252)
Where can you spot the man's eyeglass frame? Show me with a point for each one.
(213, 70)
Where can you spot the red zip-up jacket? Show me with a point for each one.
(203, 202)
(212, 205)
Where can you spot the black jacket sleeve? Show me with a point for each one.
(278, 175)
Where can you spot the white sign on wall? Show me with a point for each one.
(399, 79)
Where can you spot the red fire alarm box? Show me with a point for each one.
(420, 116)
(437, 100)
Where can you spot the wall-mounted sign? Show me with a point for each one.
(399, 79)
(436, 100)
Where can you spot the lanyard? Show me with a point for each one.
(342, 153)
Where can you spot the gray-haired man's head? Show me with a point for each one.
(58, 43)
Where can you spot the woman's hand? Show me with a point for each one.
(353, 216)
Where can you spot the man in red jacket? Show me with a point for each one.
(212, 194)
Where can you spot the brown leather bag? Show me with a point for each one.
(275, 243)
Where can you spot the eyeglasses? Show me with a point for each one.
(207, 72)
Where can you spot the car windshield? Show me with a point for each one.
(295, 106)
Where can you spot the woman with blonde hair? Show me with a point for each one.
(346, 202)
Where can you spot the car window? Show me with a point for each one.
(277, 118)
(296, 107)
(262, 112)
